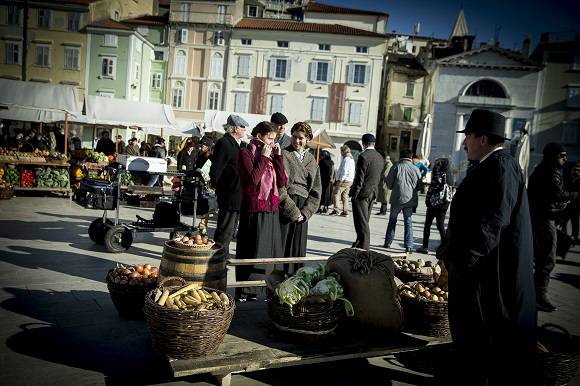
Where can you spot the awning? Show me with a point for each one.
(121, 112)
(37, 102)
(322, 139)
(215, 120)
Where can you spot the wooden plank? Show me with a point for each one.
(66, 190)
(276, 260)
(246, 284)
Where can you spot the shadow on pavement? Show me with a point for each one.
(568, 278)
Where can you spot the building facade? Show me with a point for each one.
(121, 9)
(558, 109)
(325, 74)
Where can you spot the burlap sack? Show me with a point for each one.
(369, 283)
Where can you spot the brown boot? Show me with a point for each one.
(543, 303)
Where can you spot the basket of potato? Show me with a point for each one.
(187, 321)
(415, 270)
(128, 285)
(425, 309)
(190, 240)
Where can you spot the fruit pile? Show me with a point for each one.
(189, 239)
(418, 266)
(134, 275)
(13, 176)
(424, 292)
(27, 178)
(192, 297)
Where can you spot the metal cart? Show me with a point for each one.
(118, 236)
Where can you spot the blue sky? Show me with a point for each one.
(516, 18)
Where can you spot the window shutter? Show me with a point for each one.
(330, 75)
(312, 74)
(272, 68)
(350, 73)
(247, 61)
(367, 74)
(288, 65)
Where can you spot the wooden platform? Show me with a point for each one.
(253, 344)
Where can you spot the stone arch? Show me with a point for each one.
(486, 88)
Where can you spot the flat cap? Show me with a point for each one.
(368, 138)
(279, 119)
(206, 141)
(236, 120)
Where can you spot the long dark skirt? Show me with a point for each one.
(258, 236)
(294, 234)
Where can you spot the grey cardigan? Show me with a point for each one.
(304, 181)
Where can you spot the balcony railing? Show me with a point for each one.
(201, 17)
(484, 101)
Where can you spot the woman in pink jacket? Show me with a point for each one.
(261, 170)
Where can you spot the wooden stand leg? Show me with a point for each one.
(223, 379)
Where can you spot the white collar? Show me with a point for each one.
(490, 153)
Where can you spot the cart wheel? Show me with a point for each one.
(118, 239)
(97, 230)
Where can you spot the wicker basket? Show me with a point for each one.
(129, 299)
(201, 247)
(425, 317)
(183, 334)
(407, 277)
(6, 193)
(307, 318)
(560, 364)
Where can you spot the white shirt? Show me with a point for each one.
(490, 153)
(346, 169)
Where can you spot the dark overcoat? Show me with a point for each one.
(224, 173)
(488, 251)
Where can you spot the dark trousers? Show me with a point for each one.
(384, 207)
(227, 222)
(545, 241)
(439, 216)
(361, 211)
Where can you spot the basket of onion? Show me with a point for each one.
(128, 285)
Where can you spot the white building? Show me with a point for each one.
(325, 74)
(489, 77)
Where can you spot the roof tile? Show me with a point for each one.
(326, 8)
(289, 25)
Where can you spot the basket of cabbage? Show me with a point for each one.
(310, 302)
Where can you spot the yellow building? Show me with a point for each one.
(121, 9)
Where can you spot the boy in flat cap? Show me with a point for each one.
(282, 138)
(488, 252)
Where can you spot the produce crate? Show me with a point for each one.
(96, 194)
(425, 317)
(183, 334)
(308, 318)
(559, 364)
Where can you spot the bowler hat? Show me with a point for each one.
(486, 122)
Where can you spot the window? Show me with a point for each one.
(72, 58)
(117, 16)
(282, 44)
(573, 96)
(218, 38)
(240, 102)
(111, 40)
(184, 9)
(42, 56)
(14, 13)
(74, 21)
(276, 104)
(222, 10)
(158, 55)
(362, 50)
(570, 133)
(354, 113)
(357, 74)
(213, 97)
(407, 114)
(43, 20)
(246, 42)
(318, 112)
(486, 88)
(156, 80)
(12, 53)
(177, 95)
(216, 67)
(137, 71)
(414, 49)
(320, 72)
(410, 88)
(180, 63)
(324, 47)
(252, 11)
(244, 65)
(279, 69)
(108, 67)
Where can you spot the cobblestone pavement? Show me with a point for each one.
(58, 325)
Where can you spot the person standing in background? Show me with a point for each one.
(120, 145)
(326, 176)
(343, 182)
(280, 121)
(384, 192)
(132, 149)
(224, 178)
(364, 190)
(105, 145)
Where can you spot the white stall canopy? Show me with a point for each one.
(37, 102)
(121, 112)
(215, 120)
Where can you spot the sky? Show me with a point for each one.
(514, 18)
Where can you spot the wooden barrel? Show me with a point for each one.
(206, 267)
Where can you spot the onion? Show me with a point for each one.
(133, 282)
(139, 268)
(154, 269)
(153, 275)
(135, 275)
(126, 272)
(147, 266)
(146, 272)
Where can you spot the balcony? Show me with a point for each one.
(484, 101)
(201, 17)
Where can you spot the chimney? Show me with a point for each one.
(526, 46)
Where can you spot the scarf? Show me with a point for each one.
(268, 190)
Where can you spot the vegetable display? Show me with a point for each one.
(133, 275)
(192, 297)
(424, 292)
(27, 178)
(312, 282)
(52, 177)
(13, 176)
(93, 156)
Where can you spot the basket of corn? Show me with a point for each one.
(187, 321)
(558, 354)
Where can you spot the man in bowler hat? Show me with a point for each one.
(488, 252)
(363, 191)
